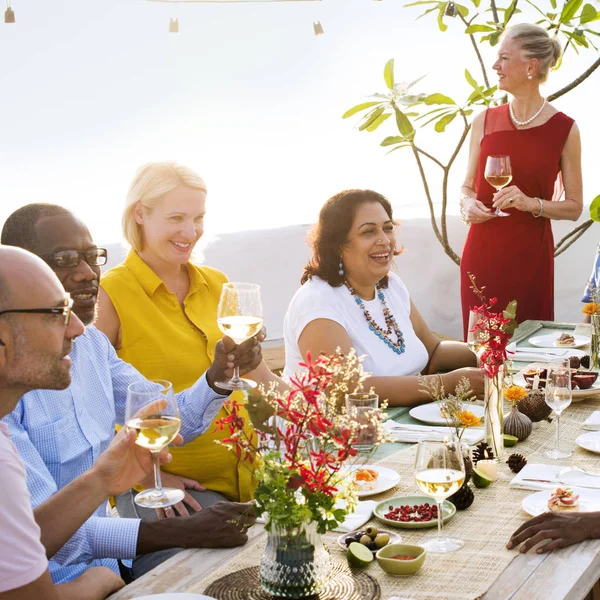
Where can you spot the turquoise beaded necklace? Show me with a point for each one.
(392, 326)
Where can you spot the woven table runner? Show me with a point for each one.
(485, 527)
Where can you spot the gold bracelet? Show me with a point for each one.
(441, 382)
(541, 208)
(463, 214)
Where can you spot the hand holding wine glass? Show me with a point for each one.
(440, 472)
(152, 412)
(498, 173)
(239, 316)
(558, 397)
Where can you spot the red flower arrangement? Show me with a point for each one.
(301, 464)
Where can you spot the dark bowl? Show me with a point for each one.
(584, 380)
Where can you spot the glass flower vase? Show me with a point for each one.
(494, 412)
(295, 563)
(595, 349)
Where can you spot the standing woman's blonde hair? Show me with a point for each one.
(535, 42)
(150, 184)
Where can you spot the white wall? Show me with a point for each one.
(274, 258)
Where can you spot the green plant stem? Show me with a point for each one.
(476, 48)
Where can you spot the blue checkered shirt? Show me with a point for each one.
(60, 434)
(594, 282)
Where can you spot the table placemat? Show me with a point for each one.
(485, 527)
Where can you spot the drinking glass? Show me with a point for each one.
(475, 339)
(362, 407)
(440, 472)
(152, 412)
(498, 174)
(240, 316)
(558, 397)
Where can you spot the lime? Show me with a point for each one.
(358, 555)
(480, 479)
(510, 440)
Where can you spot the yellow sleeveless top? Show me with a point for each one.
(163, 342)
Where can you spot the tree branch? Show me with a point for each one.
(494, 11)
(476, 48)
(575, 234)
(575, 82)
(429, 156)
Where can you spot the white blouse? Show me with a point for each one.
(316, 299)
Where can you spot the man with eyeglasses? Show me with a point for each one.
(58, 443)
(36, 337)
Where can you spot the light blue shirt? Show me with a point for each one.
(60, 434)
(594, 282)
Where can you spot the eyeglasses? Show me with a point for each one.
(65, 310)
(95, 257)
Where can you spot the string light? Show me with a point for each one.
(318, 28)
(174, 26)
(9, 15)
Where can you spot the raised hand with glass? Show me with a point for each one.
(239, 316)
(152, 412)
(439, 473)
(558, 397)
(498, 173)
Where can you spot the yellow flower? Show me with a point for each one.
(591, 308)
(514, 393)
(468, 419)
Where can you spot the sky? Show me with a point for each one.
(245, 94)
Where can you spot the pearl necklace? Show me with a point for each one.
(526, 122)
(391, 326)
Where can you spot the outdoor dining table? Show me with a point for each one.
(483, 568)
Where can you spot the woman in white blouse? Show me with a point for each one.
(351, 299)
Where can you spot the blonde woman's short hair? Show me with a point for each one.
(535, 42)
(150, 184)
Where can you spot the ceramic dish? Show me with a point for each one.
(430, 413)
(577, 395)
(589, 441)
(401, 568)
(388, 478)
(549, 341)
(536, 504)
(384, 507)
(394, 538)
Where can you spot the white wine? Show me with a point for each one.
(156, 431)
(439, 483)
(240, 328)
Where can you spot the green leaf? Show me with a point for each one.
(588, 14)
(479, 29)
(371, 117)
(438, 99)
(463, 10)
(553, 3)
(393, 139)
(377, 122)
(440, 19)
(405, 127)
(470, 80)
(495, 38)
(435, 117)
(476, 3)
(415, 82)
(358, 108)
(508, 13)
(570, 10)
(421, 2)
(388, 74)
(403, 145)
(595, 209)
(440, 126)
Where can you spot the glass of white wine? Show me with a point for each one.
(240, 316)
(152, 412)
(498, 173)
(558, 397)
(439, 473)
(475, 339)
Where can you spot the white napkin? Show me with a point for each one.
(592, 422)
(411, 434)
(359, 517)
(536, 477)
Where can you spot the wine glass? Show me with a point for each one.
(498, 174)
(152, 412)
(475, 339)
(558, 397)
(240, 316)
(440, 472)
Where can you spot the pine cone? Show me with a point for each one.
(468, 468)
(516, 462)
(463, 498)
(585, 361)
(482, 451)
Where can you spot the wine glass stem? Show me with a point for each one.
(439, 531)
(558, 431)
(236, 375)
(157, 482)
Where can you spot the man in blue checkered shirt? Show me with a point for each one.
(60, 434)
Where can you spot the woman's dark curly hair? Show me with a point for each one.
(331, 233)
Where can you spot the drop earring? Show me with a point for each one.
(529, 76)
(341, 271)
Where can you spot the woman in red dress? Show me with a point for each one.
(513, 256)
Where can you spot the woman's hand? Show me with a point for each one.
(474, 375)
(513, 197)
(476, 212)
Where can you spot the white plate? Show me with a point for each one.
(576, 395)
(431, 414)
(590, 441)
(549, 341)
(536, 504)
(174, 596)
(387, 479)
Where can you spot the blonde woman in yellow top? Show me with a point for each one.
(159, 311)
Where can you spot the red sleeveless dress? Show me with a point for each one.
(513, 257)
